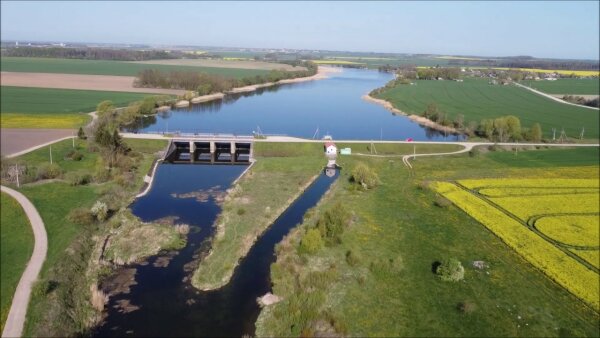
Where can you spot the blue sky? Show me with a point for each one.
(541, 29)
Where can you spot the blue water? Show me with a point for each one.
(333, 105)
(168, 305)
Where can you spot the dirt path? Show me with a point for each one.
(78, 81)
(18, 309)
(552, 97)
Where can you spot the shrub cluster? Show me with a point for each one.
(48, 171)
(363, 175)
(450, 270)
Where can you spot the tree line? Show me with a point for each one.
(529, 63)
(204, 83)
(501, 129)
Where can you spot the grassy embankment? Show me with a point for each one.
(22, 107)
(103, 67)
(377, 279)
(566, 86)
(60, 303)
(16, 246)
(477, 100)
(279, 176)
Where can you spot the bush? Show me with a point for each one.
(76, 178)
(365, 176)
(450, 270)
(81, 134)
(81, 216)
(442, 202)
(100, 210)
(332, 223)
(351, 258)
(241, 211)
(47, 170)
(311, 242)
(74, 155)
(466, 306)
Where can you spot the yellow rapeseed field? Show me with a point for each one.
(53, 121)
(580, 230)
(591, 256)
(545, 255)
(509, 191)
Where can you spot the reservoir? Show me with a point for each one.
(160, 301)
(306, 109)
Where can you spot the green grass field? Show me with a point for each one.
(566, 86)
(51, 101)
(396, 234)
(102, 67)
(477, 100)
(22, 107)
(16, 239)
(54, 201)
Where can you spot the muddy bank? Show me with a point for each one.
(416, 118)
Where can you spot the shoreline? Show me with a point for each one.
(219, 229)
(423, 121)
(322, 73)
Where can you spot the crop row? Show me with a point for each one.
(556, 264)
(590, 256)
(531, 183)
(512, 191)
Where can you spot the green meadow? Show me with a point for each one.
(566, 86)
(477, 100)
(376, 278)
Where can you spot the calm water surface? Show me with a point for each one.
(168, 304)
(333, 105)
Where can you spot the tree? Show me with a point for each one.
(81, 134)
(311, 242)
(513, 125)
(500, 128)
(536, 132)
(450, 270)
(486, 128)
(459, 121)
(105, 107)
(364, 176)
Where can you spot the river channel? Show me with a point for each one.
(330, 106)
(160, 300)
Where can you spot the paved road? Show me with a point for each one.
(18, 309)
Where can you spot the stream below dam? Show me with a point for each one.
(155, 297)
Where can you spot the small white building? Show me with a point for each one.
(330, 148)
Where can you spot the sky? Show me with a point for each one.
(541, 29)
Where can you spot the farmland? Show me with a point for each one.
(53, 108)
(397, 231)
(542, 225)
(477, 100)
(566, 86)
(101, 67)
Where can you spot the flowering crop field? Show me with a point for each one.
(553, 223)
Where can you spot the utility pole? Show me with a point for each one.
(50, 154)
(582, 131)
(73, 140)
(414, 151)
(380, 133)
(17, 167)
(553, 134)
